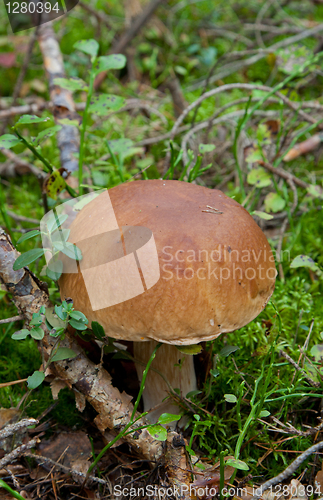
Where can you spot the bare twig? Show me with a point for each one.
(10, 320)
(289, 471)
(21, 218)
(45, 460)
(230, 68)
(64, 108)
(14, 382)
(298, 368)
(285, 175)
(90, 381)
(17, 452)
(22, 165)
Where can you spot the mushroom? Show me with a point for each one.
(172, 262)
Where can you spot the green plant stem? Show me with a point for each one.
(83, 129)
(48, 166)
(131, 421)
(10, 490)
(222, 455)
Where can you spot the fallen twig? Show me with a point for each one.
(228, 69)
(11, 429)
(17, 452)
(10, 320)
(289, 471)
(63, 104)
(298, 368)
(90, 381)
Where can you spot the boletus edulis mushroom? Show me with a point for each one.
(172, 262)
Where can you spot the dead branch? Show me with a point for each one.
(298, 368)
(21, 166)
(10, 320)
(90, 382)
(289, 471)
(63, 104)
(228, 69)
(11, 429)
(77, 474)
(17, 452)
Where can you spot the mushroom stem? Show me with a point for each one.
(177, 368)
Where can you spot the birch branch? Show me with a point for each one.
(90, 382)
(63, 104)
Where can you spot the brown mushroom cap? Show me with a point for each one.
(217, 270)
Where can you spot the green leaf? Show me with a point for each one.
(259, 177)
(72, 84)
(317, 353)
(60, 313)
(98, 330)
(54, 269)
(44, 134)
(237, 464)
(120, 146)
(230, 398)
(27, 236)
(167, 418)
(262, 215)
(54, 184)
(36, 320)
(60, 235)
(214, 373)
(304, 261)
(90, 47)
(35, 379)
(26, 119)
(37, 333)
(191, 394)
(54, 221)
(79, 316)
(104, 103)
(27, 258)
(315, 191)
(228, 349)
(189, 349)
(78, 325)
(8, 141)
(274, 203)
(68, 249)
(157, 432)
(206, 148)
(264, 413)
(21, 334)
(113, 61)
(63, 353)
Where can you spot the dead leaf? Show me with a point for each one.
(8, 416)
(72, 449)
(80, 400)
(56, 385)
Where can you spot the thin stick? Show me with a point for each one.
(7, 384)
(298, 368)
(9, 320)
(11, 429)
(230, 68)
(10, 457)
(289, 471)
